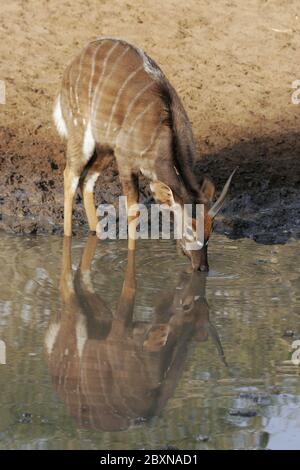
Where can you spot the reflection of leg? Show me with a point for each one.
(125, 307)
(131, 191)
(88, 253)
(66, 281)
(128, 290)
(129, 281)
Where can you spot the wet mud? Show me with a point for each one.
(263, 204)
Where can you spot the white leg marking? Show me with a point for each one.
(88, 142)
(90, 182)
(58, 119)
(74, 183)
(149, 174)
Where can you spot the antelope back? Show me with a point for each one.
(111, 94)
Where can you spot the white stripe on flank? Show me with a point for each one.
(110, 75)
(93, 71)
(152, 140)
(89, 143)
(139, 116)
(151, 68)
(97, 89)
(131, 105)
(138, 95)
(58, 119)
(113, 110)
(78, 78)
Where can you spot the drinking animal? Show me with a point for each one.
(115, 101)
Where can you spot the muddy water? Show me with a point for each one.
(145, 355)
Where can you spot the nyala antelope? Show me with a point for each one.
(110, 368)
(116, 101)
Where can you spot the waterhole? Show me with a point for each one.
(107, 352)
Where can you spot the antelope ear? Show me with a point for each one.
(207, 190)
(162, 193)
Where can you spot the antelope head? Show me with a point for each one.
(195, 239)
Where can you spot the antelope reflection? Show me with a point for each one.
(110, 370)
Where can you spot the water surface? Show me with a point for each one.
(121, 355)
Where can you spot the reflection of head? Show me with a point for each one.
(184, 309)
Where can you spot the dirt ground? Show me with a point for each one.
(232, 62)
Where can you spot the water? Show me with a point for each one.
(176, 359)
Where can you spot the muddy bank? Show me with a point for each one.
(233, 66)
(264, 201)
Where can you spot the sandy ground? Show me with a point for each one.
(232, 63)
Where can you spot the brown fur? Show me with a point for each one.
(135, 113)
